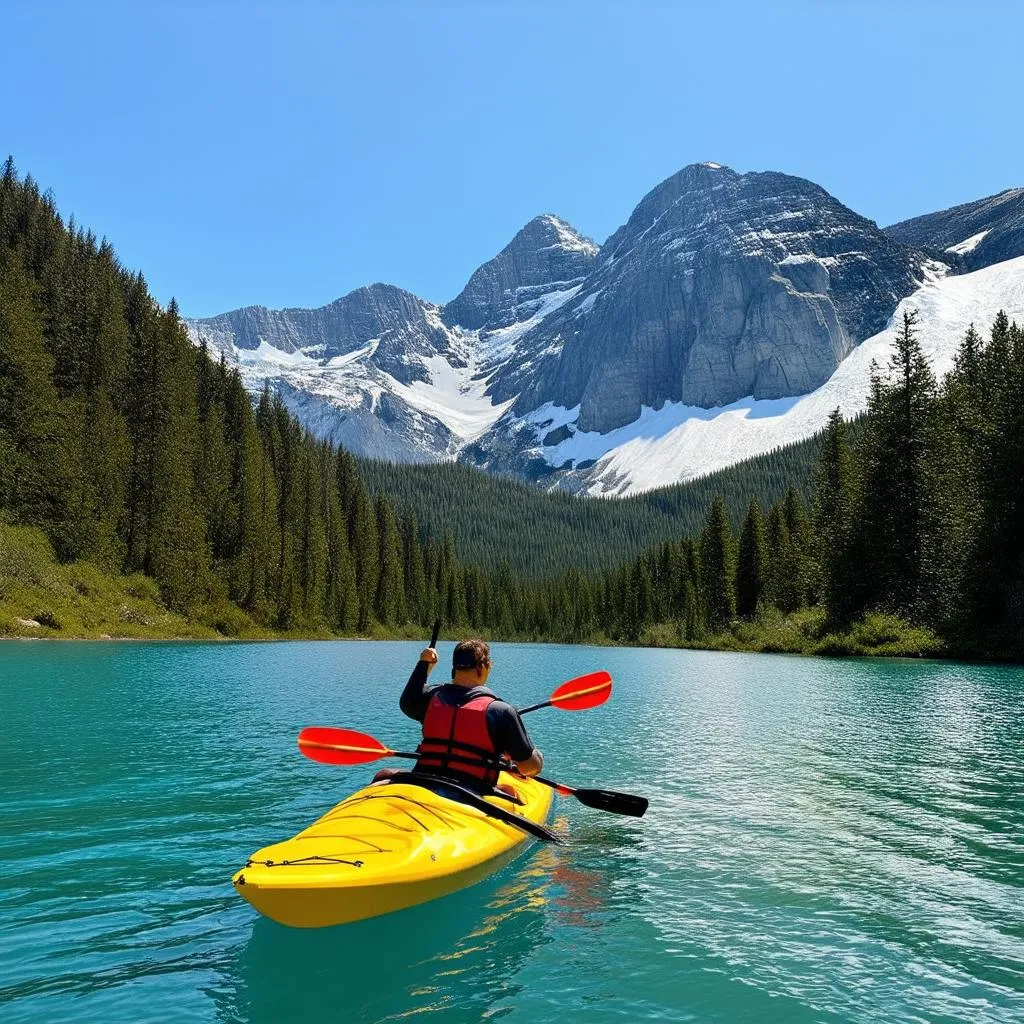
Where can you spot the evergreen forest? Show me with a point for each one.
(126, 449)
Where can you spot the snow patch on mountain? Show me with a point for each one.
(569, 239)
(366, 352)
(268, 358)
(967, 245)
(455, 396)
(679, 442)
(496, 346)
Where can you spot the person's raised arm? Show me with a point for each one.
(416, 696)
(509, 735)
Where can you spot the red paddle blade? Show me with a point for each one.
(582, 693)
(340, 746)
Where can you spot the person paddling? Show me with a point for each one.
(466, 726)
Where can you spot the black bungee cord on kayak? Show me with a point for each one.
(315, 858)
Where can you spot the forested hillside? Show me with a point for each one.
(497, 520)
(134, 451)
(913, 543)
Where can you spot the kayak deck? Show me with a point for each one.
(384, 848)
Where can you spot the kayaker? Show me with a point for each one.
(466, 726)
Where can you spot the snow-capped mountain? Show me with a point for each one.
(680, 442)
(974, 235)
(377, 371)
(719, 285)
(392, 376)
(545, 253)
(717, 323)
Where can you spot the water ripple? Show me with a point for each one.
(827, 841)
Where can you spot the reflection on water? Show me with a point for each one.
(461, 955)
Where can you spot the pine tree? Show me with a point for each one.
(390, 598)
(843, 585)
(752, 563)
(414, 573)
(312, 551)
(176, 551)
(255, 497)
(694, 615)
(33, 463)
(896, 506)
(717, 568)
(996, 586)
(364, 545)
(342, 604)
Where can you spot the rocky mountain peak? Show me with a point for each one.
(695, 184)
(722, 288)
(549, 230)
(972, 235)
(719, 286)
(545, 254)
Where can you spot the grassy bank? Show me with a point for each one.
(40, 597)
(807, 632)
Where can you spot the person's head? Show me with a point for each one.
(471, 662)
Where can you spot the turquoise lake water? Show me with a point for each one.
(827, 841)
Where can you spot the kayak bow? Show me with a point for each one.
(387, 847)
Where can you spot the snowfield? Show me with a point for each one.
(455, 396)
(679, 442)
(355, 402)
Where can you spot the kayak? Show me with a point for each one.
(387, 847)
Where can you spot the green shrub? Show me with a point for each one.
(142, 587)
(837, 645)
(890, 636)
(26, 559)
(878, 628)
(661, 634)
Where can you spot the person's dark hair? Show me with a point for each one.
(470, 654)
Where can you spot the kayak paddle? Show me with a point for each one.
(533, 828)
(602, 799)
(346, 746)
(579, 694)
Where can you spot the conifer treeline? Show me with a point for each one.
(135, 450)
(920, 514)
(540, 533)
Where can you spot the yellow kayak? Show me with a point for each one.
(386, 847)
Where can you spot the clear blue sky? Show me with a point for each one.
(286, 153)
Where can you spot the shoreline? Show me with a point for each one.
(723, 649)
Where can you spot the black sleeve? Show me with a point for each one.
(508, 732)
(416, 695)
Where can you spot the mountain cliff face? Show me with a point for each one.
(978, 234)
(720, 289)
(719, 285)
(392, 376)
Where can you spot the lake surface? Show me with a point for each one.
(827, 841)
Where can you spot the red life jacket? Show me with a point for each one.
(456, 738)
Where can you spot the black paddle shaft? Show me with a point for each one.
(471, 799)
(601, 799)
(433, 636)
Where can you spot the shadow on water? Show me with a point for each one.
(459, 954)
(463, 955)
